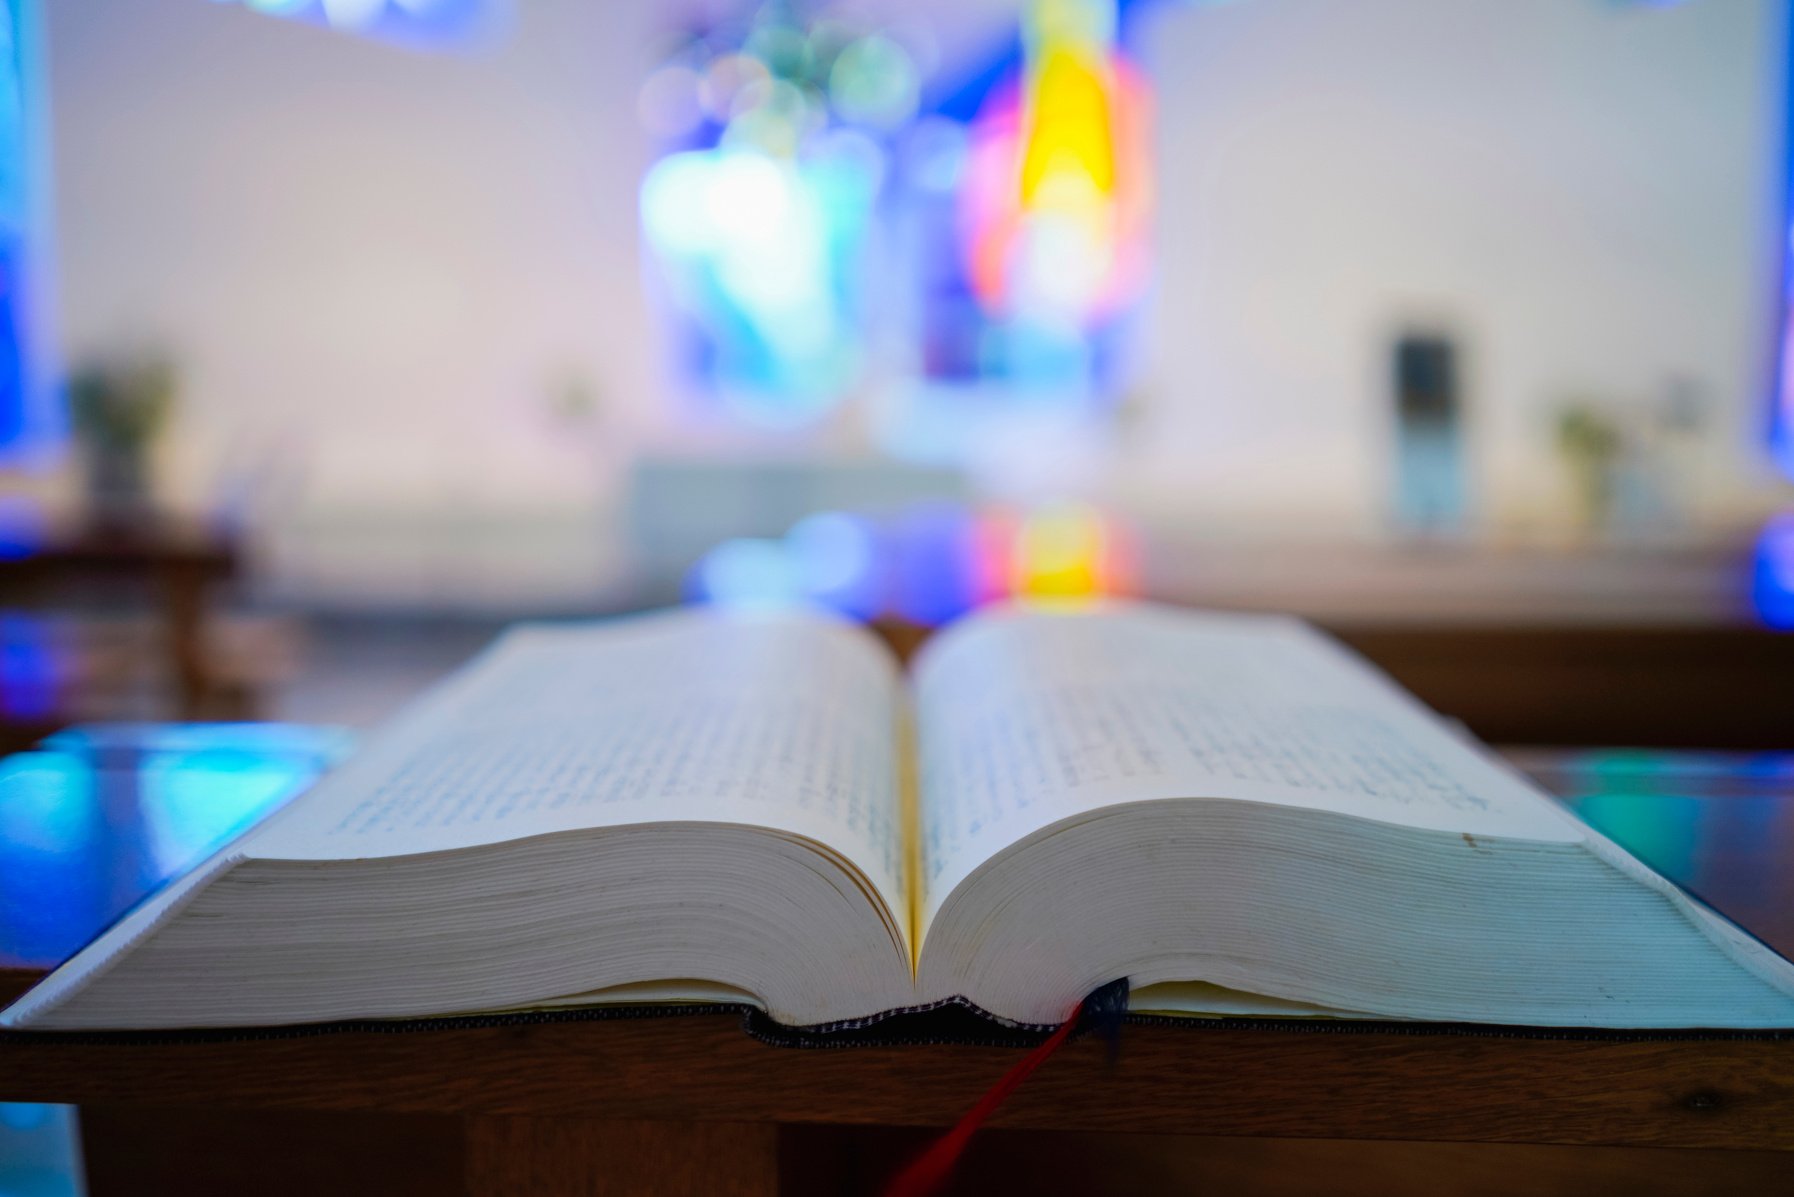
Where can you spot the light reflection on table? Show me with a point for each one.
(1720, 825)
(95, 819)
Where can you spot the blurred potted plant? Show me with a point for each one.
(1591, 444)
(117, 409)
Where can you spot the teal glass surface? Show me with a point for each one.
(1720, 825)
(94, 820)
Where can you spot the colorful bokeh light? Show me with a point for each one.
(762, 213)
(1058, 193)
(31, 425)
(1772, 575)
(1067, 554)
(926, 564)
(425, 22)
(1032, 195)
(827, 220)
(1781, 408)
(31, 673)
(1781, 400)
(761, 250)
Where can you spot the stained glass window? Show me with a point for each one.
(28, 421)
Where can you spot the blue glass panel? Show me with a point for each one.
(1781, 400)
(28, 421)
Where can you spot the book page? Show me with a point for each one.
(1026, 718)
(779, 721)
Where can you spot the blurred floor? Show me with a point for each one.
(1669, 685)
(358, 670)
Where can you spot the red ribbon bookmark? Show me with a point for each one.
(924, 1175)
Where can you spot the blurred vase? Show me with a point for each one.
(1590, 443)
(118, 410)
(118, 482)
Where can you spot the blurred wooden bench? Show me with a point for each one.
(126, 621)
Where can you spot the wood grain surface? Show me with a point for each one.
(132, 1150)
(526, 1157)
(1201, 1080)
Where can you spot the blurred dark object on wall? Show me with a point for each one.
(1432, 497)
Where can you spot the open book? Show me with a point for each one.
(1230, 811)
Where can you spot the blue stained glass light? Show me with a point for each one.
(29, 422)
(1781, 397)
(418, 22)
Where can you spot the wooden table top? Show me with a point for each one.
(151, 802)
(151, 539)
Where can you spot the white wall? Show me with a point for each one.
(375, 263)
(1584, 192)
(382, 260)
